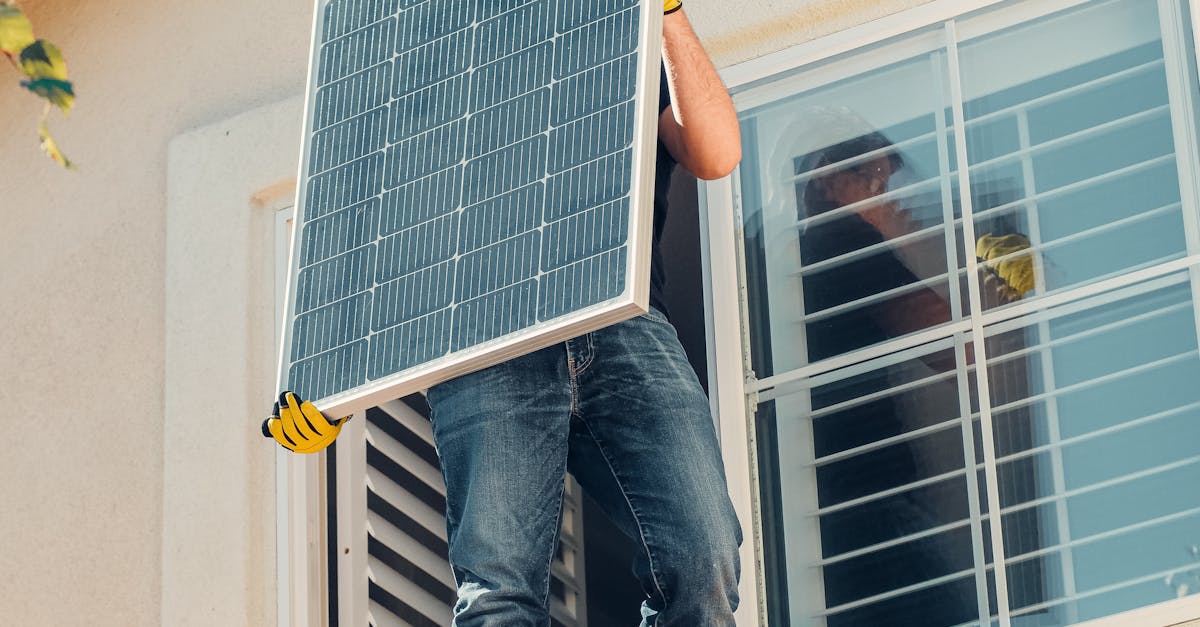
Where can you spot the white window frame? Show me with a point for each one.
(735, 391)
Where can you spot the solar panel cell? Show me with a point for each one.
(344, 16)
(410, 344)
(583, 283)
(335, 279)
(338, 232)
(421, 200)
(513, 31)
(426, 153)
(362, 48)
(498, 266)
(501, 217)
(596, 43)
(432, 19)
(342, 186)
(345, 141)
(413, 295)
(428, 108)
(357, 93)
(508, 122)
(415, 248)
(494, 315)
(585, 234)
(432, 63)
(588, 185)
(332, 326)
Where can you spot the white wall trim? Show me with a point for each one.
(218, 520)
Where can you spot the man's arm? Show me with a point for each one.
(700, 128)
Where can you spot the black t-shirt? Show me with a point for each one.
(664, 167)
(864, 276)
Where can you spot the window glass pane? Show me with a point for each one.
(1073, 148)
(873, 482)
(1106, 468)
(849, 208)
(1080, 147)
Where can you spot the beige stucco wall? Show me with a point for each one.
(738, 31)
(82, 262)
(83, 273)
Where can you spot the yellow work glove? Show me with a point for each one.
(299, 426)
(1016, 270)
(671, 6)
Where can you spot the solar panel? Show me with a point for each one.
(476, 183)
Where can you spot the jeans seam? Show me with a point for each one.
(573, 385)
(557, 533)
(633, 511)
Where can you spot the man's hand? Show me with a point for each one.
(299, 426)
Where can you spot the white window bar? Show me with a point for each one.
(1079, 335)
(1074, 90)
(1129, 170)
(891, 594)
(862, 400)
(991, 486)
(1026, 402)
(991, 318)
(1127, 478)
(892, 194)
(1036, 247)
(1062, 517)
(1091, 383)
(843, 259)
(1076, 137)
(1180, 94)
(868, 300)
(949, 225)
(1104, 535)
(875, 496)
(907, 436)
(1107, 589)
(1013, 110)
(1098, 433)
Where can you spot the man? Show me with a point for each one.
(620, 408)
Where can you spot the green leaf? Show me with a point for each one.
(15, 30)
(50, 147)
(59, 93)
(42, 59)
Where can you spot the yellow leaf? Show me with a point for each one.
(42, 59)
(50, 147)
(15, 30)
(59, 93)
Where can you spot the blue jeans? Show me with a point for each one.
(623, 411)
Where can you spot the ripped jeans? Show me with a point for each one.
(622, 410)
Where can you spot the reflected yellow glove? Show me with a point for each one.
(299, 426)
(1016, 270)
(671, 6)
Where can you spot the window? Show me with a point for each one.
(972, 265)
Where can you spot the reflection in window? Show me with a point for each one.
(875, 502)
